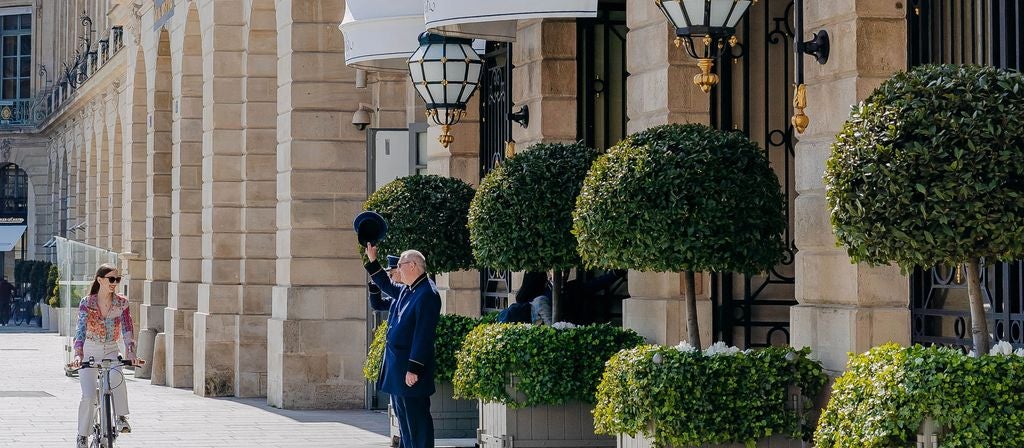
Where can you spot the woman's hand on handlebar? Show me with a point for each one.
(76, 363)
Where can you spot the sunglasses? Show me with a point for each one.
(113, 279)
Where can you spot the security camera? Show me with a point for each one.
(361, 117)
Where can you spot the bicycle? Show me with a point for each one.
(22, 312)
(103, 432)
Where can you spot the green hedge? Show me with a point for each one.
(521, 217)
(928, 169)
(427, 213)
(885, 394)
(550, 364)
(451, 331)
(33, 277)
(693, 398)
(681, 197)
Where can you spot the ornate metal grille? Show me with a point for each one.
(495, 132)
(987, 32)
(754, 98)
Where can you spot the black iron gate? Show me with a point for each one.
(495, 133)
(986, 32)
(754, 97)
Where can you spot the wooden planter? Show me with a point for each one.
(453, 419)
(625, 441)
(567, 425)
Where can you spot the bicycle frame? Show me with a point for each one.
(103, 425)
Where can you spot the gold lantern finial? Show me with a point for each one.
(800, 120)
(705, 79)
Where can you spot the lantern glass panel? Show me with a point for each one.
(467, 93)
(674, 12)
(437, 93)
(695, 10)
(415, 73)
(422, 90)
(453, 92)
(455, 70)
(433, 71)
(720, 12)
(741, 9)
(474, 72)
(433, 52)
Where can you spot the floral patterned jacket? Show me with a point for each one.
(93, 326)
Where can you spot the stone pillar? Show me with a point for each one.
(843, 307)
(259, 237)
(89, 150)
(158, 206)
(133, 193)
(660, 92)
(186, 196)
(317, 336)
(115, 150)
(544, 79)
(223, 198)
(101, 152)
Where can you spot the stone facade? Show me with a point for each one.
(214, 151)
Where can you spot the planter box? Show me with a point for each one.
(625, 441)
(567, 425)
(453, 419)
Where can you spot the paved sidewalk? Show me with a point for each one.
(39, 407)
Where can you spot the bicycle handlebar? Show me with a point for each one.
(93, 363)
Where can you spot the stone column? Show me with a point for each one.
(544, 79)
(660, 92)
(115, 169)
(317, 336)
(133, 184)
(89, 149)
(101, 152)
(223, 198)
(843, 307)
(186, 196)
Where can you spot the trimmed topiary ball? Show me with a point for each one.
(929, 169)
(521, 217)
(681, 197)
(426, 213)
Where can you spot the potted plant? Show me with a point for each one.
(887, 393)
(428, 213)
(453, 419)
(521, 216)
(543, 374)
(680, 396)
(927, 171)
(682, 197)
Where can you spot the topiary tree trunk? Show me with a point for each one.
(979, 319)
(692, 328)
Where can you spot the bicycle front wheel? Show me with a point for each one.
(107, 424)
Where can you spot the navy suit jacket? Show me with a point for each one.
(412, 326)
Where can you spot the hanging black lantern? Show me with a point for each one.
(445, 72)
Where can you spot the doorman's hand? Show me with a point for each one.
(411, 379)
(371, 252)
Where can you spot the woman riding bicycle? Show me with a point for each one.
(103, 319)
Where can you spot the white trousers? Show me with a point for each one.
(89, 382)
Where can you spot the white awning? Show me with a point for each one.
(381, 35)
(10, 236)
(496, 20)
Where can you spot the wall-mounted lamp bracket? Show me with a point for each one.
(522, 117)
(817, 47)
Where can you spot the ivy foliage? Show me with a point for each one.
(426, 213)
(521, 217)
(451, 331)
(544, 365)
(688, 398)
(929, 169)
(681, 197)
(885, 394)
(53, 287)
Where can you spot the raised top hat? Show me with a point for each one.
(370, 227)
(392, 262)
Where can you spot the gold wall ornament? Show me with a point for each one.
(800, 120)
(705, 79)
(446, 138)
(510, 148)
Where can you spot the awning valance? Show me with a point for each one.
(496, 20)
(10, 236)
(380, 35)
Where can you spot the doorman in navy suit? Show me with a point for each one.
(407, 372)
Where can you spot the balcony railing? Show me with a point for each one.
(23, 113)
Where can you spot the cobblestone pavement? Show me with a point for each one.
(38, 408)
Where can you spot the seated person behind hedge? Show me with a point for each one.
(523, 310)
